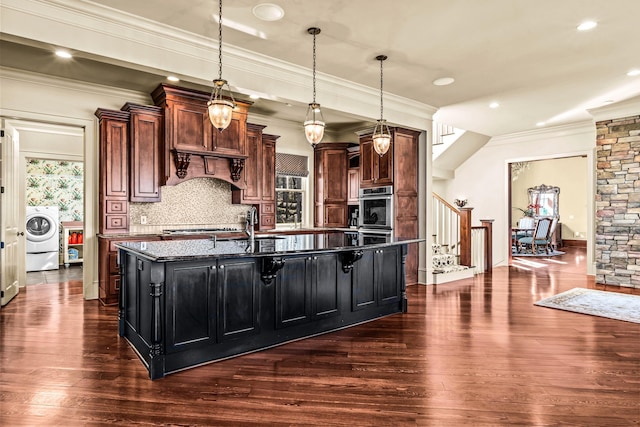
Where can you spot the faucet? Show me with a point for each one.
(252, 218)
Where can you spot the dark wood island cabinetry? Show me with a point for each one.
(184, 303)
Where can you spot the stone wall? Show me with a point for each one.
(618, 202)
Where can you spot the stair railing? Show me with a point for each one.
(446, 226)
(453, 231)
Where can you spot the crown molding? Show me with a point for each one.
(138, 43)
(619, 110)
(60, 82)
(582, 127)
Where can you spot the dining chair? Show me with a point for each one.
(541, 237)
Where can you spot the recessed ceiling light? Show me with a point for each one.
(494, 105)
(268, 12)
(63, 54)
(443, 81)
(173, 79)
(254, 96)
(587, 25)
(609, 101)
(633, 73)
(540, 124)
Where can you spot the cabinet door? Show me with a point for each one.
(253, 166)
(269, 170)
(146, 154)
(363, 293)
(189, 126)
(375, 170)
(238, 298)
(232, 140)
(190, 293)
(366, 162)
(293, 292)
(388, 272)
(354, 186)
(114, 158)
(325, 287)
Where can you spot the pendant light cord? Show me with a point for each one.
(219, 39)
(381, 80)
(314, 67)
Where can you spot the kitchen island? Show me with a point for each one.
(188, 302)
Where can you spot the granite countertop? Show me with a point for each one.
(177, 250)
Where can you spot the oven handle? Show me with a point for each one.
(378, 232)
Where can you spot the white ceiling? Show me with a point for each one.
(526, 55)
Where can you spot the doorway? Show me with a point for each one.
(570, 175)
(50, 172)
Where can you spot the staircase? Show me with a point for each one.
(459, 250)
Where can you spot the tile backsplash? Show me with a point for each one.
(194, 203)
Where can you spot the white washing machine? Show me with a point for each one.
(43, 238)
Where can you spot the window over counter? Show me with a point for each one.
(292, 173)
(290, 197)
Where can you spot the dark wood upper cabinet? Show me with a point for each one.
(375, 170)
(330, 199)
(146, 149)
(113, 202)
(258, 176)
(194, 148)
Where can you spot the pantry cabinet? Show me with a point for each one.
(113, 203)
(330, 184)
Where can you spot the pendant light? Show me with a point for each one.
(220, 108)
(381, 133)
(314, 122)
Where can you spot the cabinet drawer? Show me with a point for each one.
(116, 206)
(113, 263)
(268, 220)
(116, 222)
(114, 286)
(268, 208)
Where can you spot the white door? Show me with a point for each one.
(9, 229)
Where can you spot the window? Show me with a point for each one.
(289, 199)
(291, 185)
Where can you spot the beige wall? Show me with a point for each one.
(570, 175)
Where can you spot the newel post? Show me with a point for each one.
(465, 236)
(488, 244)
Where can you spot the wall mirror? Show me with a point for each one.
(544, 200)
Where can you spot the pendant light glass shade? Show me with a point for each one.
(219, 107)
(381, 137)
(314, 122)
(381, 133)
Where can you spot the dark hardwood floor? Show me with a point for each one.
(470, 353)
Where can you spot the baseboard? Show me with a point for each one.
(574, 243)
(440, 278)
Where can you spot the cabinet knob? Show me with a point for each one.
(222, 267)
(213, 267)
(20, 233)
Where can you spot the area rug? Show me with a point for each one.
(540, 255)
(612, 305)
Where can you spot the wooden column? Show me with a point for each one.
(465, 236)
(488, 243)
